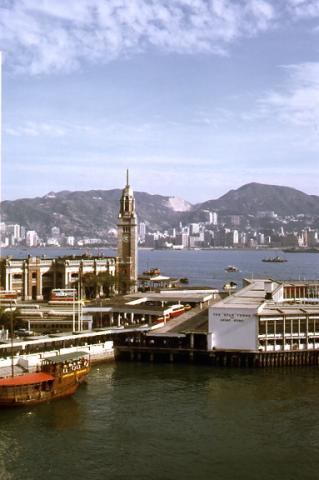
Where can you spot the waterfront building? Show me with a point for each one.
(235, 236)
(214, 218)
(33, 278)
(32, 238)
(182, 239)
(55, 232)
(70, 240)
(267, 316)
(142, 231)
(208, 216)
(194, 228)
(13, 231)
(127, 237)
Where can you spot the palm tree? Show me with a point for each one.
(7, 316)
(90, 283)
(106, 283)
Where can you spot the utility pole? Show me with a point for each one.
(11, 333)
(73, 312)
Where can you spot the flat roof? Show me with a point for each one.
(66, 357)
(253, 296)
(193, 321)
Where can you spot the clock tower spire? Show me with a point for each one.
(127, 237)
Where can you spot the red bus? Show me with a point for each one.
(63, 295)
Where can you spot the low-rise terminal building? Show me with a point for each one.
(267, 316)
(33, 278)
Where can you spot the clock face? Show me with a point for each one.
(125, 238)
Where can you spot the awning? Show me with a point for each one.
(27, 379)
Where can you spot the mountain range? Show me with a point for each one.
(93, 213)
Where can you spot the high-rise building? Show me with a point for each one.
(142, 231)
(127, 237)
(194, 228)
(55, 232)
(31, 238)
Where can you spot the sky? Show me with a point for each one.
(195, 97)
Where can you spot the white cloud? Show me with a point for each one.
(43, 36)
(33, 129)
(298, 101)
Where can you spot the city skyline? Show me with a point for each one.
(195, 97)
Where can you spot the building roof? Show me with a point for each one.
(249, 297)
(67, 357)
(253, 296)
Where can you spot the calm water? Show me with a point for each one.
(207, 267)
(141, 421)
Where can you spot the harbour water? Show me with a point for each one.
(172, 421)
(204, 267)
(142, 421)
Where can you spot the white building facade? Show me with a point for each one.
(267, 316)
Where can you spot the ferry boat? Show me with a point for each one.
(276, 259)
(59, 376)
(231, 268)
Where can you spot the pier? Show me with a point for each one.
(170, 354)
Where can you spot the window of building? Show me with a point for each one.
(279, 327)
(271, 327)
(262, 328)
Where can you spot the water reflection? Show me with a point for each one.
(61, 414)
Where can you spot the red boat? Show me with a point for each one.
(60, 376)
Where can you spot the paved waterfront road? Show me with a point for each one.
(141, 421)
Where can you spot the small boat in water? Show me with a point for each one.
(152, 272)
(59, 376)
(276, 259)
(231, 268)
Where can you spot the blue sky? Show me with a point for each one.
(194, 96)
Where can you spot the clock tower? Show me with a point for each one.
(127, 237)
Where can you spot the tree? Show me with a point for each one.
(106, 282)
(90, 283)
(6, 316)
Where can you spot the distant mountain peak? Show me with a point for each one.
(50, 195)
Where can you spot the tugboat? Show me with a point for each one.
(231, 268)
(152, 272)
(59, 376)
(276, 259)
